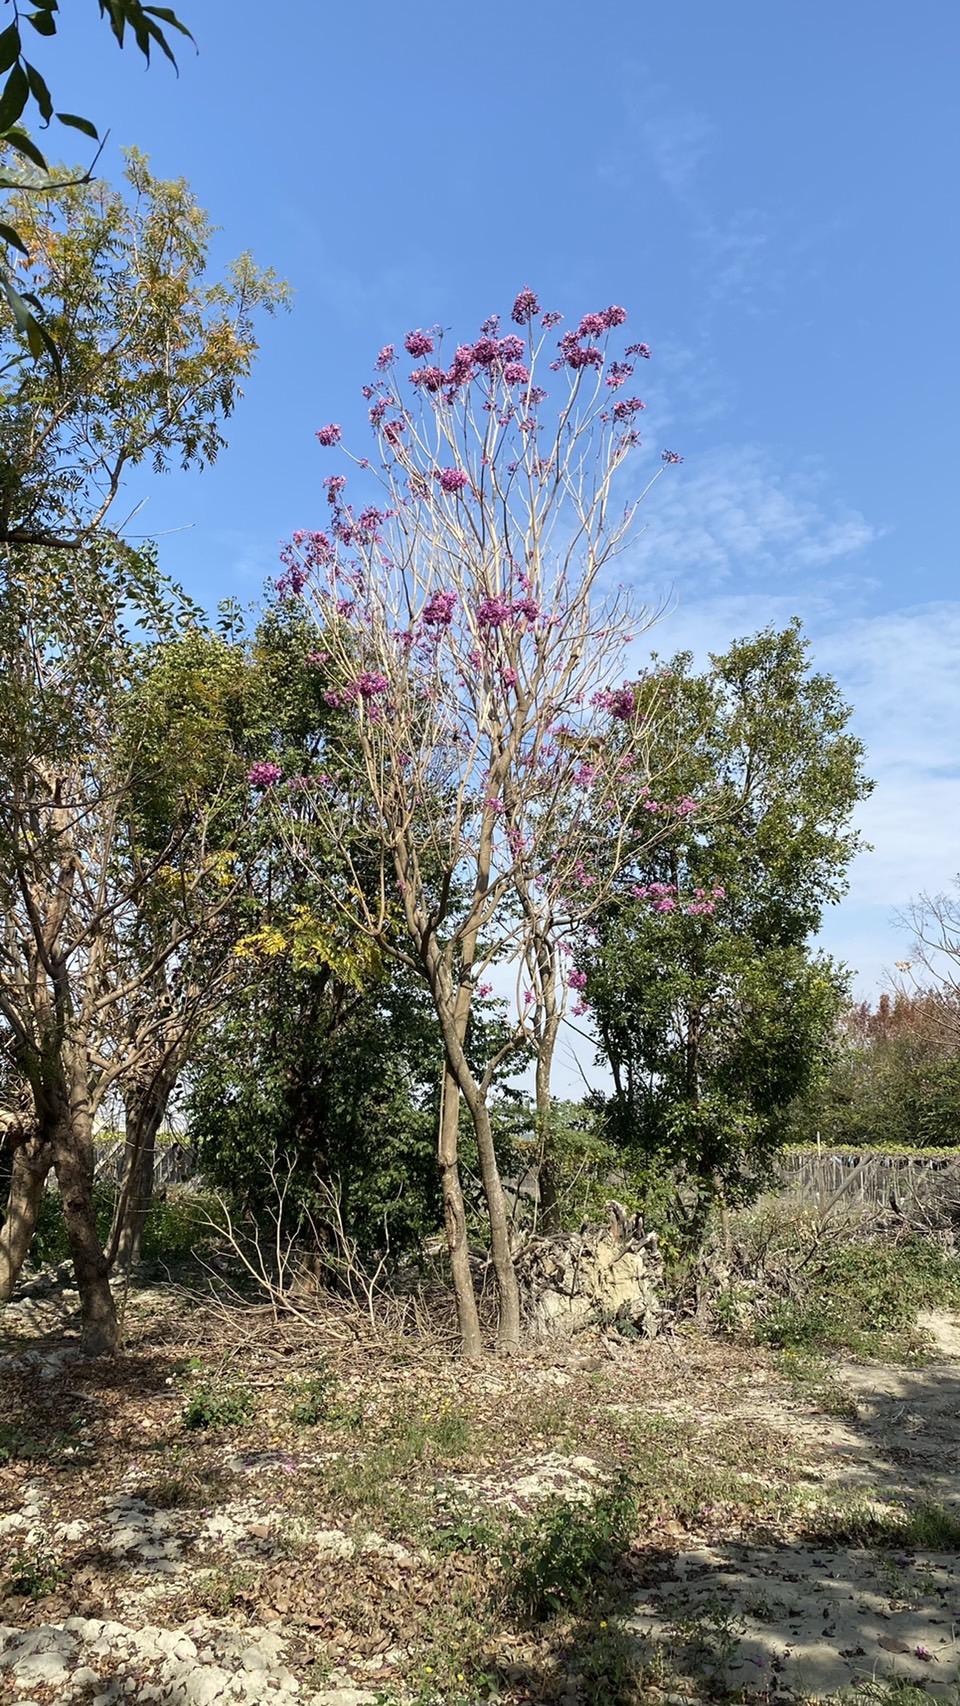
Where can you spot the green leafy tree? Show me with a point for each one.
(153, 357)
(153, 354)
(893, 1076)
(712, 1010)
(331, 1082)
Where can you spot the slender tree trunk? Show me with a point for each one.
(508, 1324)
(73, 1161)
(547, 1173)
(145, 1107)
(455, 1219)
(454, 1027)
(31, 1160)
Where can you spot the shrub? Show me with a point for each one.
(559, 1560)
(218, 1404)
(312, 1400)
(35, 1570)
(861, 1291)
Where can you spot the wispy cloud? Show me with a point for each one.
(742, 253)
(677, 140)
(737, 514)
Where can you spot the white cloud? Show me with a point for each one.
(735, 513)
(677, 140)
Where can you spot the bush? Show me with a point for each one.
(218, 1404)
(562, 1556)
(178, 1226)
(862, 1291)
(36, 1570)
(312, 1400)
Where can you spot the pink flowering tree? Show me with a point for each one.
(486, 779)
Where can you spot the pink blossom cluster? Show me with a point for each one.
(306, 552)
(577, 354)
(621, 702)
(525, 307)
(263, 774)
(494, 611)
(416, 344)
(452, 479)
(665, 897)
(438, 610)
(662, 896)
(371, 684)
(577, 979)
(329, 435)
(428, 378)
(704, 902)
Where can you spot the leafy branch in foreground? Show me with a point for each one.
(25, 86)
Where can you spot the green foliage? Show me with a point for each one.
(892, 1080)
(714, 1022)
(218, 1403)
(560, 1560)
(36, 1569)
(24, 85)
(180, 1226)
(151, 351)
(340, 1086)
(860, 1294)
(926, 1526)
(50, 1246)
(312, 1400)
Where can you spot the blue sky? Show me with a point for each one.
(769, 189)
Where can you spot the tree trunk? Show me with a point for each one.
(31, 1160)
(455, 1219)
(547, 1173)
(508, 1325)
(145, 1107)
(73, 1161)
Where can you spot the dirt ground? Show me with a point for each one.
(349, 1531)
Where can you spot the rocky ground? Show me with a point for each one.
(236, 1513)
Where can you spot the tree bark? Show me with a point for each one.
(547, 1180)
(145, 1107)
(454, 1027)
(73, 1161)
(455, 1219)
(31, 1160)
(508, 1324)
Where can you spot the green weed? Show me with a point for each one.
(926, 1526)
(559, 1559)
(218, 1404)
(36, 1570)
(312, 1400)
(863, 1295)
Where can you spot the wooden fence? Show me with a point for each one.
(870, 1178)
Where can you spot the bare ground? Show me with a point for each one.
(363, 1552)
